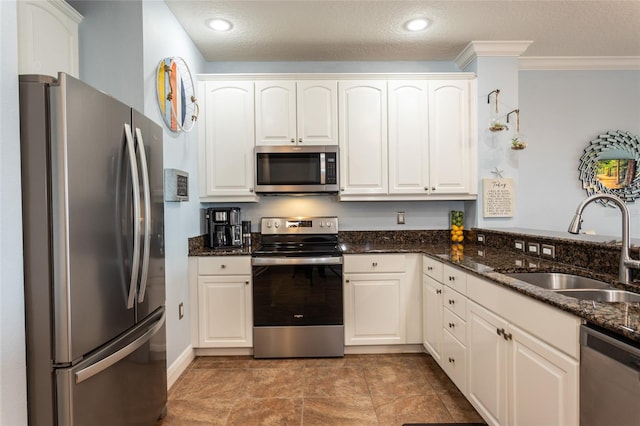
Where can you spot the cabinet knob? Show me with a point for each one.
(223, 266)
(452, 360)
(451, 325)
(452, 302)
(300, 140)
(429, 268)
(433, 188)
(438, 291)
(374, 264)
(342, 189)
(246, 282)
(293, 140)
(452, 278)
(346, 280)
(250, 189)
(426, 188)
(499, 331)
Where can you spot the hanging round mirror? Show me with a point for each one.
(610, 165)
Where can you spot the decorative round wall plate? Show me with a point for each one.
(176, 94)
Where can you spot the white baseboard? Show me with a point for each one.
(179, 365)
(223, 351)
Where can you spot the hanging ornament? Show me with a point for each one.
(517, 141)
(495, 124)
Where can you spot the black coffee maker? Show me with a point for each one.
(224, 227)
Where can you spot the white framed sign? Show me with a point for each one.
(498, 197)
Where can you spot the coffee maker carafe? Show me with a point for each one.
(224, 227)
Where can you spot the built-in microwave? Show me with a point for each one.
(296, 169)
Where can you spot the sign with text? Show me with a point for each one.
(498, 197)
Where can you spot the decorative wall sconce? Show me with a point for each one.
(517, 142)
(495, 125)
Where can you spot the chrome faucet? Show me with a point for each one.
(626, 263)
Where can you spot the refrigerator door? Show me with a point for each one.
(123, 384)
(151, 288)
(91, 272)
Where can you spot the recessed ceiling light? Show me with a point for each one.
(418, 24)
(219, 24)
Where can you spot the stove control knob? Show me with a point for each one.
(276, 224)
(268, 224)
(328, 224)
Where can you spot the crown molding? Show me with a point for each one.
(490, 48)
(566, 63)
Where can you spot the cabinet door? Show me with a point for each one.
(541, 376)
(362, 108)
(317, 112)
(374, 313)
(275, 112)
(449, 137)
(432, 316)
(227, 141)
(408, 138)
(47, 37)
(487, 364)
(225, 315)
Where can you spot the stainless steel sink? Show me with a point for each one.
(602, 295)
(559, 281)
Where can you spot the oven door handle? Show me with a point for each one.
(269, 261)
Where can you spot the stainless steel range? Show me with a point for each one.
(297, 289)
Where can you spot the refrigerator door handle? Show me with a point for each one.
(147, 215)
(98, 367)
(135, 265)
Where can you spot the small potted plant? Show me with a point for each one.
(517, 143)
(497, 126)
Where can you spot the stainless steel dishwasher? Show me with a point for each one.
(609, 379)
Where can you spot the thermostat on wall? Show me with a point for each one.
(176, 185)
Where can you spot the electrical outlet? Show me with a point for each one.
(400, 218)
(519, 245)
(480, 238)
(533, 248)
(548, 251)
(180, 310)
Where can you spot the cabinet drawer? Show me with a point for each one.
(455, 325)
(454, 360)
(455, 278)
(374, 263)
(455, 302)
(432, 268)
(224, 265)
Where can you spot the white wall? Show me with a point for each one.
(163, 37)
(561, 112)
(13, 394)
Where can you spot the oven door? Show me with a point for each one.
(297, 291)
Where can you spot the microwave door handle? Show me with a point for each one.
(147, 215)
(135, 263)
(323, 169)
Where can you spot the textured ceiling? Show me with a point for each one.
(306, 30)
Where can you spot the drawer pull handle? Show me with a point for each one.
(507, 336)
(429, 268)
(438, 291)
(452, 360)
(452, 278)
(452, 302)
(374, 264)
(499, 331)
(451, 325)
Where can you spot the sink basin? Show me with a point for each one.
(602, 295)
(559, 281)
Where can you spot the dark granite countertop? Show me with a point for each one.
(490, 263)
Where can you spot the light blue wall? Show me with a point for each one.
(13, 394)
(561, 112)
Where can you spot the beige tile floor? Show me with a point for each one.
(389, 389)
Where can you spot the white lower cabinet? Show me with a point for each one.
(224, 293)
(382, 299)
(515, 377)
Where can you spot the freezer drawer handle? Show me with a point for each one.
(147, 216)
(135, 265)
(98, 367)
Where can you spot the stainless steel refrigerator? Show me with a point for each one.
(92, 189)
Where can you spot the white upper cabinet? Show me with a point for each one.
(226, 141)
(450, 140)
(47, 37)
(408, 137)
(296, 112)
(362, 108)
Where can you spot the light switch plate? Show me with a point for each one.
(400, 218)
(480, 238)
